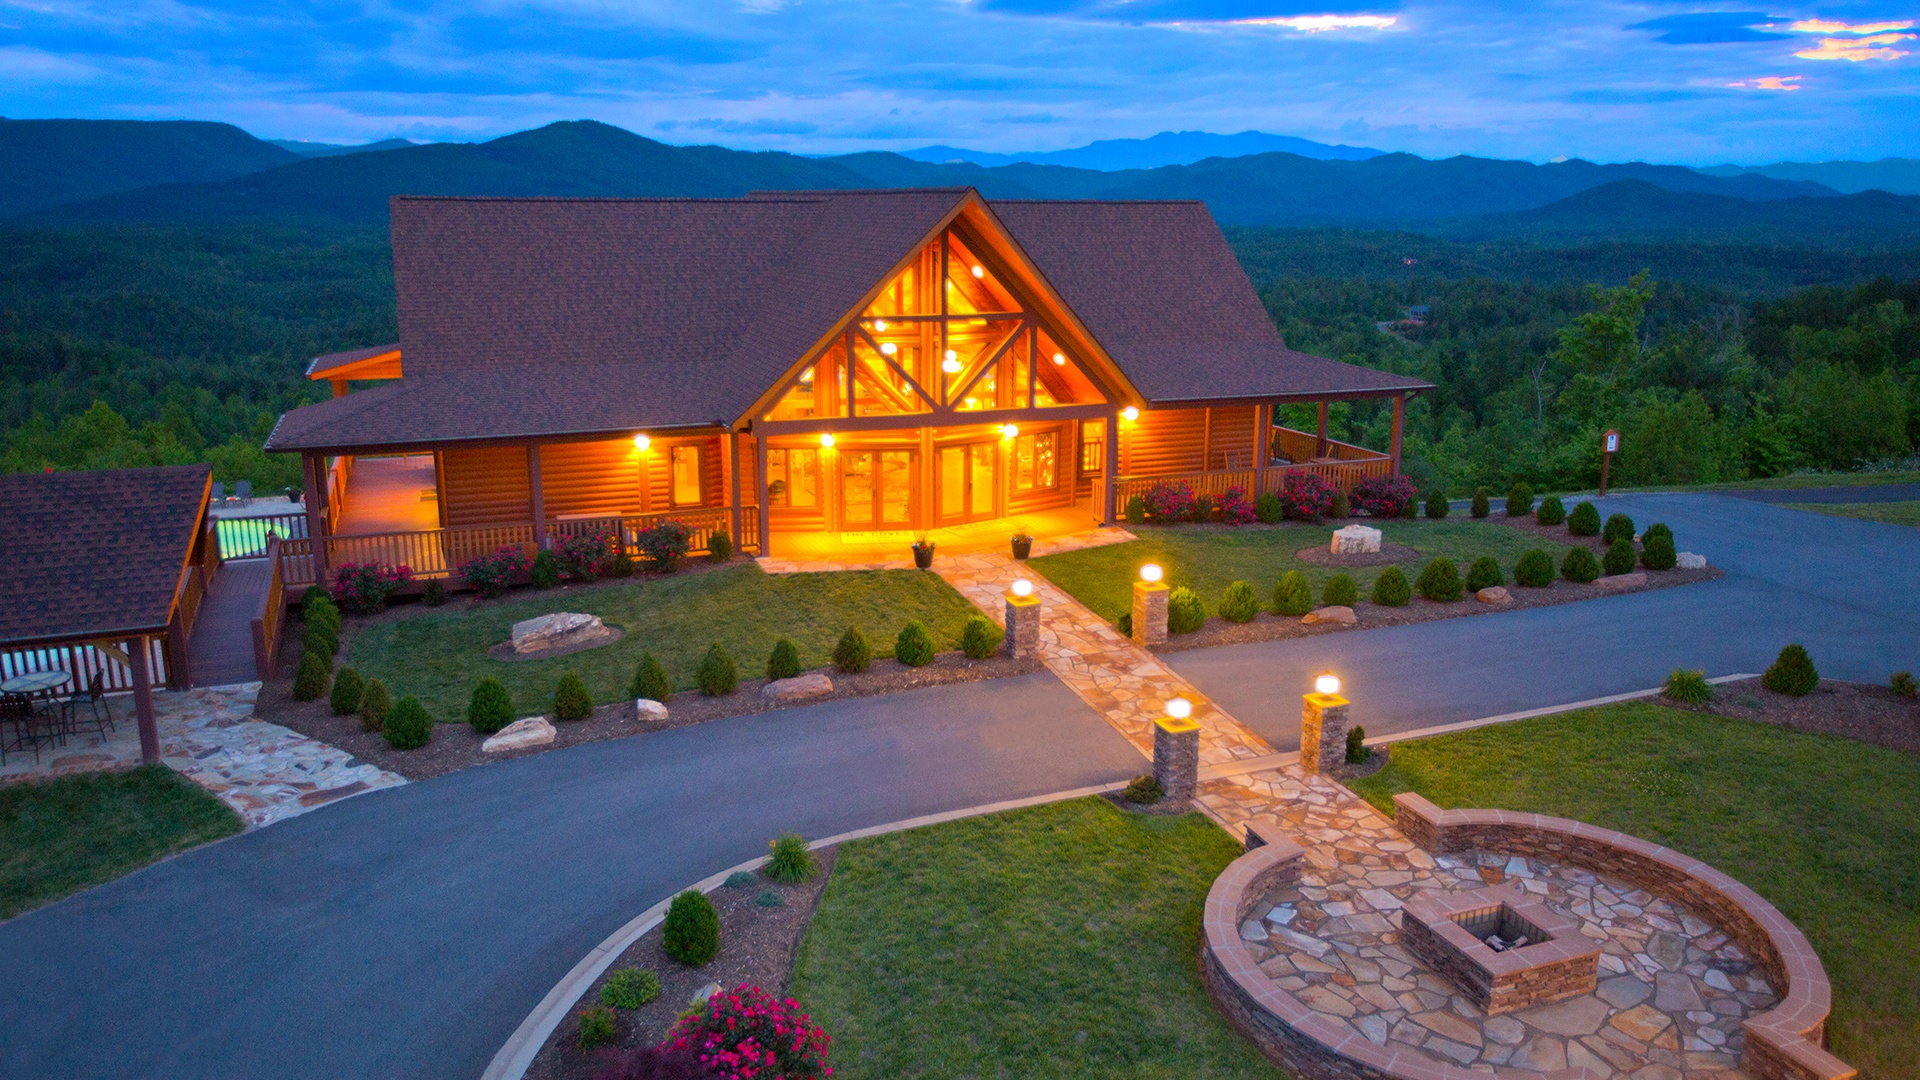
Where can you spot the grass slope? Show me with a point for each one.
(1056, 941)
(1823, 827)
(60, 836)
(1208, 559)
(1893, 513)
(440, 657)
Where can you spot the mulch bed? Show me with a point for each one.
(1387, 555)
(1559, 534)
(1860, 711)
(757, 945)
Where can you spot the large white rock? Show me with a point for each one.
(558, 630)
(533, 731)
(648, 709)
(1687, 560)
(1338, 613)
(1356, 540)
(1494, 594)
(799, 688)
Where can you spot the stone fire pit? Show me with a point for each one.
(1505, 950)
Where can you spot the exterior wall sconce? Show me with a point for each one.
(641, 442)
(1129, 414)
(1010, 431)
(826, 440)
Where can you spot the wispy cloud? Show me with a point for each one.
(1319, 24)
(1858, 49)
(1769, 82)
(1829, 26)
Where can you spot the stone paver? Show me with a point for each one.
(266, 772)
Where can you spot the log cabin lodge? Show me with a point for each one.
(818, 374)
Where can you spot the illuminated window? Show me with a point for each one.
(1093, 457)
(1033, 462)
(793, 478)
(686, 476)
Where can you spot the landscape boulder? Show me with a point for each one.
(1337, 613)
(560, 630)
(532, 731)
(1687, 560)
(1494, 594)
(1623, 581)
(648, 709)
(799, 688)
(1356, 540)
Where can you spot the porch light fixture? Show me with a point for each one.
(1022, 587)
(1010, 431)
(1326, 683)
(979, 272)
(1179, 708)
(1150, 573)
(1059, 359)
(951, 365)
(1129, 414)
(826, 439)
(641, 442)
(879, 326)
(888, 348)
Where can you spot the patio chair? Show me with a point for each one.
(219, 496)
(28, 732)
(243, 493)
(95, 700)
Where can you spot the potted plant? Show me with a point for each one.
(1022, 544)
(923, 553)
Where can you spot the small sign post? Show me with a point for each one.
(1609, 446)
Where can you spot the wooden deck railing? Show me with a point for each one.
(246, 537)
(1343, 465)
(269, 625)
(83, 661)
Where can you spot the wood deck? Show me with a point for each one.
(220, 650)
(989, 535)
(389, 495)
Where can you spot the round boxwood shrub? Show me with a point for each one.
(546, 570)
(1482, 504)
(691, 933)
(717, 673)
(629, 987)
(1584, 521)
(344, 699)
(852, 653)
(1792, 673)
(491, 707)
(408, 726)
(1341, 506)
(790, 861)
(981, 637)
(310, 679)
(1144, 791)
(1357, 750)
(1658, 528)
(1124, 624)
(570, 698)
(784, 663)
(1437, 506)
(913, 646)
(311, 595)
(320, 610)
(1618, 527)
(720, 547)
(1410, 509)
(1656, 551)
(1484, 574)
(1619, 558)
(1292, 595)
(1269, 510)
(650, 680)
(1340, 591)
(1239, 603)
(1137, 510)
(1534, 570)
(1185, 613)
(375, 704)
(1390, 589)
(1579, 565)
(1440, 580)
(323, 640)
(1552, 511)
(1519, 499)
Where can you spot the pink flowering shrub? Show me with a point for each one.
(1306, 496)
(584, 558)
(1383, 496)
(363, 588)
(748, 1034)
(1235, 507)
(1171, 500)
(491, 574)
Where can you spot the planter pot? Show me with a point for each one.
(1023, 548)
(923, 558)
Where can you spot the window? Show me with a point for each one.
(793, 478)
(1033, 466)
(686, 476)
(1093, 457)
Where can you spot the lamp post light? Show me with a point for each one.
(1023, 620)
(1150, 607)
(1323, 726)
(1176, 750)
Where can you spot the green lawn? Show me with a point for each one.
(1208, 559)
(1056, 941)
(1893, 513)
(60, 836)
(439, 657)
(1823, 827)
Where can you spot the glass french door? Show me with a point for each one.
(876, 489)
(966, 482)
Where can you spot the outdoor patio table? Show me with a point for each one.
(36, 681)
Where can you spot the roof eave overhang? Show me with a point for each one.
(394, 446)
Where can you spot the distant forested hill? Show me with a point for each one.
(51, 162)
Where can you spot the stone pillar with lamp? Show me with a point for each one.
(1150, 607)
(1176, 751)
(1323, 726)
(1023, 620)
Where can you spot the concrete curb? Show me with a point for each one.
(513, 1059)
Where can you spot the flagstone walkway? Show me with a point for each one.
(266, 772)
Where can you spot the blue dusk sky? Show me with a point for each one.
(1694, 83)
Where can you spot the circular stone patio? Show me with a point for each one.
(1673, 989)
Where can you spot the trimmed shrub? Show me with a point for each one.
(1185, 613)
(1341, 506)
(1390, 589)
(570, 698)
(1269, 509)
(1384, 496)
(1584, 521)
(740, 879)
(622, 565)
(1137, 510)
(310, 681)
(981, 638)
(596, 1026)
(1202, 509)
(318, 610)
(1618, 527)
(491, 707)
(1437, 506)
(1440, 580)
(491, 574)
(784, 663)
(1619, 558)
(433, 593)
(323, 640)
(749, 1032)
(1688, 686)
(584, 558)
(363, 588)
(790, 862)
(408, 726)
(913, 646)
(1410, 510)
(1170, 501)
(664, 545)
(852, 653)
(629, 988)
(1792, 673)
(309, 596)
(375, 704)
(1580, 565)
(1484, 574)
(1239, 603)
(1144, 791)
(1291, 595)
(1236, 508)
(1340, 591)
(1903, 684)
(344, 699)
(650, 680)
(717, 673)
(1519, 499)
(1534, 570)
(720, 546)
(1552, 511)
(691, 933)
(1357, 751)
(1658, 528)
(1124, 624)
(1482, 504)
(1656, 550)
(546, 570)
(1306, 496)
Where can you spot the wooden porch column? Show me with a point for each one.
(1399, 420)
(1320, 447)
(314, 477)
(760, 493)
(143, 700)
(1262, 440)
(733, 447)
(538, 494)
(1111, 469)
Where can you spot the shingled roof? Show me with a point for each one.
(96, 553)
(553, 317)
